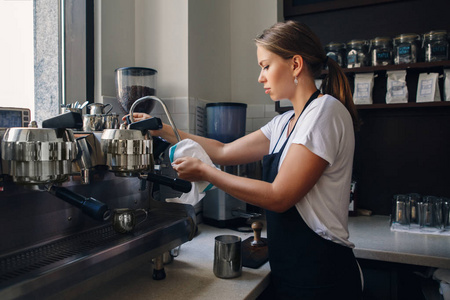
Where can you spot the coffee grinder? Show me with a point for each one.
(225, 122)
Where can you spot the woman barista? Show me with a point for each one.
(307, 158)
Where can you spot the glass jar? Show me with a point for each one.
(406, 47)
(337, 52)
(357, 51)
(381, 51)
(435, 46)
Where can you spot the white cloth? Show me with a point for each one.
(443, 276)
(326, 129)
(189, 148)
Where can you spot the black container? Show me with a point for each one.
(225, 121)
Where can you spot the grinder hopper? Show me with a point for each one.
(133, 83)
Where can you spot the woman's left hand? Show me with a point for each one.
(189, 168)
(137, 117)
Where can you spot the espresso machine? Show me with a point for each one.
(60, 187)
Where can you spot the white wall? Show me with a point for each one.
(114, 42)
(161, 43)
(222, 54)
(17, 54)
(209, 50)
(201, 48)
(248, 19)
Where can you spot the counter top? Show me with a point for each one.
(190, 275)
(374, 240)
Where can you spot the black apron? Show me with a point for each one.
(303, 264)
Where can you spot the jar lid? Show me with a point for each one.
(357, 43)
(136, 71)
(407, 37)
(336, 45)
(436, 34)
(381, 40)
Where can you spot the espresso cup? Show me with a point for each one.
(227, 256)
(125, 219)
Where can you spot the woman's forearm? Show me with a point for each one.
(234, 153)
(252, 191)
(212, 147)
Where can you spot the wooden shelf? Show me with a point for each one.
(417, 67)
(282, 109)
(420, 65)
(404, 105)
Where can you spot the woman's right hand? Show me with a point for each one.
(137, 117)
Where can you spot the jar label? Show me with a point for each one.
(333, 55)
(436, 52)
(439, 50)
(352, 60)
(383, 55)
(404, 55)
(404, 51)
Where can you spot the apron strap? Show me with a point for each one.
(313, 96)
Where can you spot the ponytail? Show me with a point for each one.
(336, 84)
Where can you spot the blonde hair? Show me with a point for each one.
(290, 38)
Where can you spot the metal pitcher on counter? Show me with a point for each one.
(99, 108)
(98, 119)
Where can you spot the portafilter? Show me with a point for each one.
(41, 158)
(129, 149)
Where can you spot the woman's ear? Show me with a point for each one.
(297, 64)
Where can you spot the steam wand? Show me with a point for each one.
(169, 117)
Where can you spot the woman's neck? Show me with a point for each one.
(300, 98)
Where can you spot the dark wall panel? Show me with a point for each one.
(386, 19)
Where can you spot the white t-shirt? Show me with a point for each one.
(326, 129)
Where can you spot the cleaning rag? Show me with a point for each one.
(443, 276)
(190, 148)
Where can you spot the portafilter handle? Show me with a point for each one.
(90, 206)
(174, 183)
(169, 117)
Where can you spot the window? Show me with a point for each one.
(17, 54)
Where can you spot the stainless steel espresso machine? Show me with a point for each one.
(59, 189)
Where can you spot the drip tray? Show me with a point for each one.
(48, 268)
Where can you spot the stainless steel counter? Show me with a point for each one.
(190, 275)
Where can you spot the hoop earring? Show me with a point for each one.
(295, 80)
